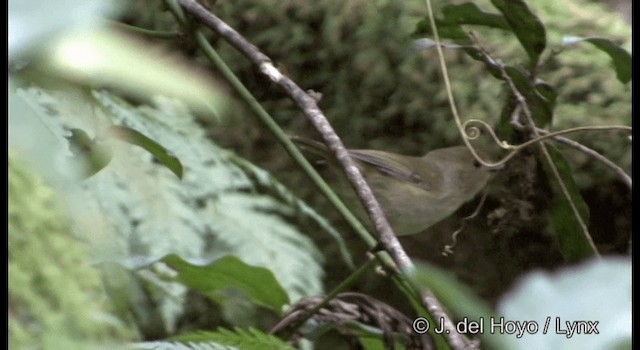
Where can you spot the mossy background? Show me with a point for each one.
(56, 298)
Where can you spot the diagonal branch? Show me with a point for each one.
(308, 105)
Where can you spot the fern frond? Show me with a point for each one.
(135, 208)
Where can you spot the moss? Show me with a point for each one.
(56, 298)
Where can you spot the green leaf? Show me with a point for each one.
(470, 13)
(136, 138)
(547, 91)
(172, 345)
(454, 16)
(257, 283)
(541, 108)
(525, 25)
(571, 238)
(242, 338)
(621, 58)
(446, 30)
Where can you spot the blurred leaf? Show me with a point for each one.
(42, 144)
(109, 57)
(172, 345)
(571, 237)
(456, 296)
(257, 283)
(599, 290)
(242, 338)
(33, 22)
(620, 57)
(425, 44)
(135, 138)
(525, 25)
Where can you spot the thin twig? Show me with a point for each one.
(556, 135)
(448, 249)
(626, 179)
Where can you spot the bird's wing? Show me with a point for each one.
(386, 164)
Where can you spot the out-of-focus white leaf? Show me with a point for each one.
(32, 22)
(110, 58)
(597, 291)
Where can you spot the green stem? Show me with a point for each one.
(146, 32)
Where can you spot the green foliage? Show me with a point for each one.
(160, 153)
(455, 296)
(534, 98)
(525, 26)
(168, 345)
(242, 338)
(135, 208)
(620, 57)
(572, 237)
(257, 283)
(222, 339)
(56, 299)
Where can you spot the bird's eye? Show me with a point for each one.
(476, 163)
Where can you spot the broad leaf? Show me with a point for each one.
(136, 138)
(541, 108)
(620, 57)
(572, 239)
(257, 283)
(525, 25)
(446, 30)
(470, 13)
